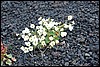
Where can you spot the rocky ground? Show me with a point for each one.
(81, 47)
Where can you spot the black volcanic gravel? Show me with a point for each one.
(81, 47)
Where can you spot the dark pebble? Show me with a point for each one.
(81, 43)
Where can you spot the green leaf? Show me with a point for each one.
(57, 38)
(52, 33)
(9, 62)
(9, 56)
(47, 39)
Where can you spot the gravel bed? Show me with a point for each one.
(81, 46)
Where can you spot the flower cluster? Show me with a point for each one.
(6, 58)
(47, 33)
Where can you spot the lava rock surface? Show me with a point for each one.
(81, 47)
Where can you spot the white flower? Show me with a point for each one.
(37, 27)
(49, 26)
(27, 43)
(44, 29)
(34, 37)
(52, 43)
(26, 38)
(51, 38)
(62, 29)
(44, 33)
(52, 20)
(41, 27)
(32, 26)
(30, 48)
(43, 43)
(73, 22)
(23, 32)
(40, 18)
(57, 41)
(29, 34)
(66, 26)
(56, 28)
(70, 27)
(70, 17)
(31, 38)
(26, 50)
(43, 20)
(22, 48)
(56, 23)
(48, 19)
(23, 36)
(42, 38)
(17, 34)
(39, 32)
(59, 22)
(63, 34)
(27, 30)
(35, 43)
(45, 23)
(40, 22)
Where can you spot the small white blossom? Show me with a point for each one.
(17, 34)
(39, 32)
(52, 20)
(49, 26)
(40, 27)
(35, 43)
(45, 23)
(73, 22)
(43, 43)
(34, 37)
(66, 26)
(62, 29)
(26, 31)
(44, 33)
(70, 17)
(40, 18)
(32, 26)
(63, 34)
(30, 48)
(51, 38)
(22, 48)
(23, 32)
(56, 28)
(42, 38)
(40, 22)
(23, 36)
(26, 37)
(29, 34)
(37, 27)
(26, 50)
(31, 38)
(57, 41)
(70, 27)
(27, 43)
(56, 23)
(43, 20)
(52, 43)
(48, 19)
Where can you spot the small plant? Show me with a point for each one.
(6, 58)
(48, 33)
